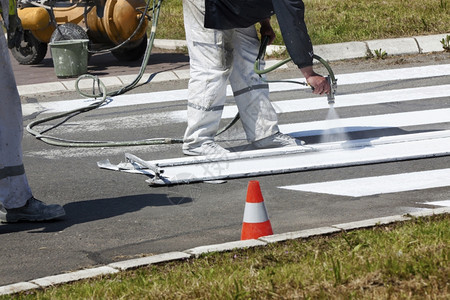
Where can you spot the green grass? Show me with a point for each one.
(331, 21)
(343, 21)
(408, 260)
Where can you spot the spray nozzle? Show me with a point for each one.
(333, 85)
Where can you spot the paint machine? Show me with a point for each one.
(330, 78)
(117, 25)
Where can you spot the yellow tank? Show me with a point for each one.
(34, 18)
(120, 20)
(37, 20)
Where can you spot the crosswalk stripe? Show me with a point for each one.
(395, 74)
(399, 95)
(374, 76)
(443, 203)
(367, 186)
(177, 95)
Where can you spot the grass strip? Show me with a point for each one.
(407, 260)
(331, 21)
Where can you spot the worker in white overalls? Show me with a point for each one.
(16, 200)
(223, 46)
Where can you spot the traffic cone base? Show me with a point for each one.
(256, 230)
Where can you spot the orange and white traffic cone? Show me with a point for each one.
(256, 221)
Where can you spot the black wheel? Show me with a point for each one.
(69, 31)
(128, 53)
(31, 51)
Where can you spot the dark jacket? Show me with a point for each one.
(228, 14)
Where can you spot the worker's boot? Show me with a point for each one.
(209, 148)
(33, 210)
(279, 140)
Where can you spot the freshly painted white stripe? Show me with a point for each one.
(273, 161)
(255, 213)
(180, 95)
(444, 203)
(369, 122)
(360, 187)
(433, 138)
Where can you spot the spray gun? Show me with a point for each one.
(330, 78)
(332, 81)
(333, 85)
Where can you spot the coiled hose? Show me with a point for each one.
(97, 83)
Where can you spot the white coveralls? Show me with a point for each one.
(217, 56)
(14, 188)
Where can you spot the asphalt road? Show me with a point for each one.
(113, 216)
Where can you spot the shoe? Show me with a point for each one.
(208, 148)
(278, 140)
(33, 210)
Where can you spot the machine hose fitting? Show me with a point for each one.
(330, 78)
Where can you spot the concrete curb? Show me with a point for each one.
(197, 251)
(331, 52)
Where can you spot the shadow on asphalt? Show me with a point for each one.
(356, 133)
(94, 210)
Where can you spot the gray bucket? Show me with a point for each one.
(70, 57)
